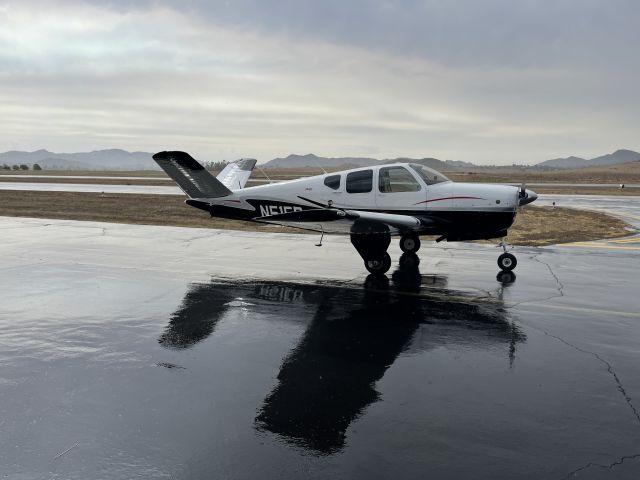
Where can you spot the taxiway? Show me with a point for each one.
(164, 352)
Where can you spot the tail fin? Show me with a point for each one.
(235, 175)
(190, 176)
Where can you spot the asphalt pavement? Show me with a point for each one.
(132, 351)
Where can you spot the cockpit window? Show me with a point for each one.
(396, 179)
(332, 181)
(429, 175)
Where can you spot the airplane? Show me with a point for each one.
(370, 204)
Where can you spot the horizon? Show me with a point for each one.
(493, 83)
(260, 162)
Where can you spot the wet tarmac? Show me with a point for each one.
(160, 352)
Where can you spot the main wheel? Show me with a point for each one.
(409, 244)
(379, 267)
(507, 262)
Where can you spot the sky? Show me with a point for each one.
(486, 81)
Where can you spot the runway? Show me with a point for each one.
(91, 188)
(624, 207)
(164, 352)
(27, 177)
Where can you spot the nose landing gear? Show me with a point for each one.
(506, 261)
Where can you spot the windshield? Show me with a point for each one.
(429, 175)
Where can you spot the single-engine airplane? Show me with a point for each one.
(370, 204)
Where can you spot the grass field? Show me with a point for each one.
(533, 226)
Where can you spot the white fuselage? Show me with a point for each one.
(442, 196)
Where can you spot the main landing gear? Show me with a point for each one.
(372, 240)
(372, 243)
(410, 243)
(379, 267)
(506, 261)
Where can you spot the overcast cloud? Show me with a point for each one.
(483, 81)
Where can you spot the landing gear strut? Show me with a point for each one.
(506, 261)
(410, 244)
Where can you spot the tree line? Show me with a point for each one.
(215, 166)
(22, 166)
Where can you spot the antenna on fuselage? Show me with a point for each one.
(319, 166)
(265, 174)
(321, 237)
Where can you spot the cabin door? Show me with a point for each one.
(399, 189)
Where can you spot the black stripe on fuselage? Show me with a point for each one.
(454, 223)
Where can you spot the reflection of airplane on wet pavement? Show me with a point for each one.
(353, 336)
(370, 204)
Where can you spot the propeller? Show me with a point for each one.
(523, 190)
(526, 196)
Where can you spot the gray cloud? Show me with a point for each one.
(483, 81)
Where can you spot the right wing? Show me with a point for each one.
(235, 175)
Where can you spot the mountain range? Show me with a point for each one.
(311, 160)
(112, 159)
(619, 156)
(115, 159)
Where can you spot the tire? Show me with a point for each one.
(378, 267)
(507, 262)
(410, 244)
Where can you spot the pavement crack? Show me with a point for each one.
(188, 241)
(609, 466)
(560, 285)
(610, 370)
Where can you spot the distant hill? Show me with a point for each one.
(311, 160)
(619, 156)
(112, 159)
(568, 162)
(116, 159)
(443, 165)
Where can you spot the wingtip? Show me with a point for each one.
(247, 164)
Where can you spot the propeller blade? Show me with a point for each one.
(523, 190)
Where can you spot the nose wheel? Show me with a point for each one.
(506, 261)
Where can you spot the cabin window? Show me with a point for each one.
(397, 179)
(360, 182)
(332, 181)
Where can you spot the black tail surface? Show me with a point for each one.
(190, 176)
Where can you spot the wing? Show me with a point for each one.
(333, 220)
(235, 175)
